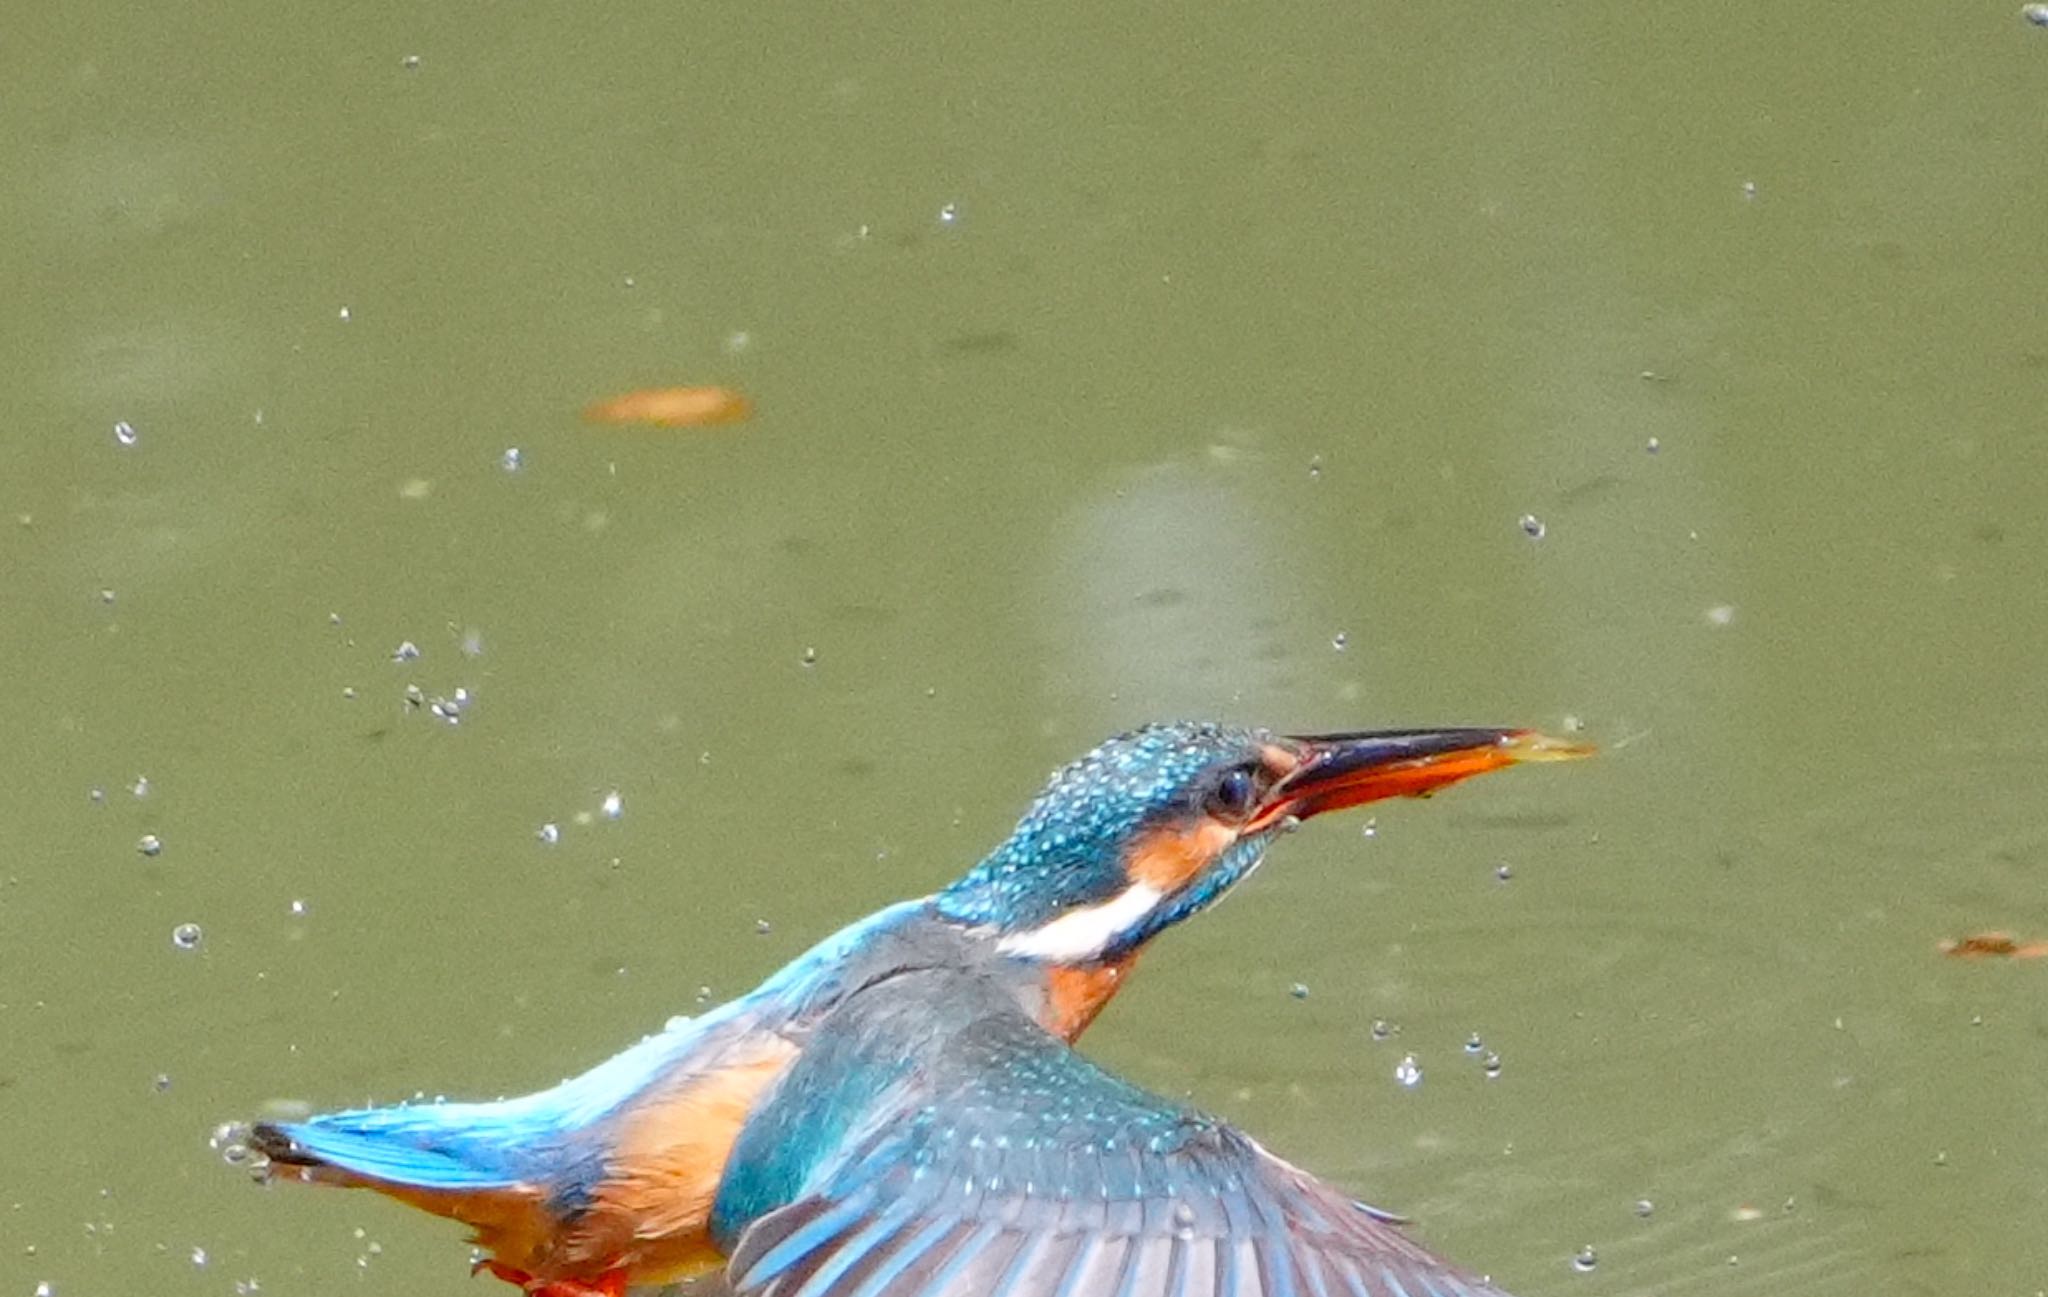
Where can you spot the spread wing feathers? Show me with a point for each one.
(997, 1162)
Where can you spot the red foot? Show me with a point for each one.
(612, 1283)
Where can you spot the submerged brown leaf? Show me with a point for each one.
(673, 407)
(1993, 945)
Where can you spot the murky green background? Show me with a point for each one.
(1112, 362)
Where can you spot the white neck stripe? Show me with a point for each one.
(1085, 933)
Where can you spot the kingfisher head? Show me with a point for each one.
(1156, 824)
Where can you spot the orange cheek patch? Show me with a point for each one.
(1165, 859)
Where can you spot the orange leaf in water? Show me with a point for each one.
(1988, 945)
(673, 407)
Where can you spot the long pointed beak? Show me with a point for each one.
(1343, 770)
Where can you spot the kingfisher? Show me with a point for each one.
(900, 1112)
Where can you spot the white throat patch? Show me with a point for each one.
(1084, 933)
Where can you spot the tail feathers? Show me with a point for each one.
(384, 1157)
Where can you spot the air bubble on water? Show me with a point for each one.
(415, 697)
(345, 315)
(149, 844)
(1491, 1067)
(1384, 1030)
(612, 806)
(1371, 827)
(46, 1289)
(548, 834)
(703, 994)
(1299, 990)
(1653, 445)
(125, 434)
(140, 787)
(1502, 873)
(299, 909)
(1473, 1044)
(96, 795)
(472, 645)
(509, 460)
(230, 1139)
(949, 214)
(161, 1082)
(1340, 641)
(762, 927)
(1644, 1208)
(810, 656)
(1585, 1259)
(1408, 1072)
(247, 1287)
(2036, 14)
(199, 1256)
(1315, 466)
(1721, 614)
(106, 596)
(187, 936)
(1533, 527)
(407, 651)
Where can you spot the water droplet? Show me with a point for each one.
(1644, 1208)
(407, 651)
(1491, 1067)
(1586, 1259)
(1408, 1072)
(509, 461)
(1533, 527)
(125, 434)
(549, 833)
(612, 806)
(1473, 1044)
(1383, 1030)
(1299, 990)
(149, 844)
(810, 656)
(1502, 873)
(187, 936)
(1339, 641)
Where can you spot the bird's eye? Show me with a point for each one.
(1234, 794)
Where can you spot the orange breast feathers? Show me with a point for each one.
(1075, 993)
(666, 1155)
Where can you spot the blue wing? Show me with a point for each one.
(933, 1141)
